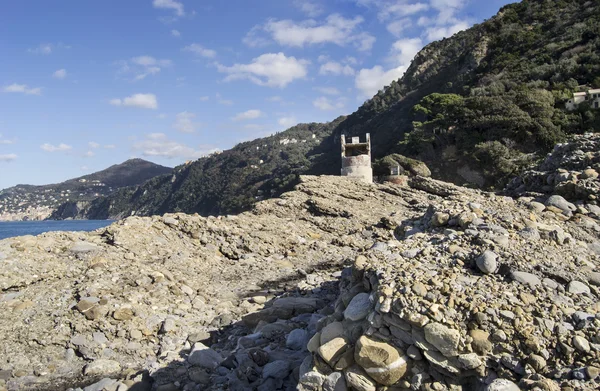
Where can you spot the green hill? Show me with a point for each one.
(478, 108)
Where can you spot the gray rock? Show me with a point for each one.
(562, 204)
(335, 382)
(202, 356)
(526, 278)
(102, 367)
(358, 308)
(84, 247)
(581, 344)
(358, 380)
(101, 385)
(443, 338)
(331, 332)
(502, 385)
(578, 287)
(311, 381)
(296, 339)
(531, 234)
(487, 262)
(278, 369)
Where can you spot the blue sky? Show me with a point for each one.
(88, 84)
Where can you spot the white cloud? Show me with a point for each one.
(204, 98)
(23, 89)
(45, 48)
(327, 90)
(287, 122)
(275, 98)
(310, 8)
(143, 66)
(89, 154)
(4, 141)
(8, 157)
(199, 50)
(149, 61)
(247, 115)
(184, 122)
(271, 70)
(93, 145)
(404, 50)
(397, 27)
(60, 74)
(170, 4)
(336, 68)
(369, 81)
(335, 30)
(175, 33)
(436, 33)
(325, 104)
(56, 148)
(159, 145)
(143, 101)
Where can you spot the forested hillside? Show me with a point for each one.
(477, 108)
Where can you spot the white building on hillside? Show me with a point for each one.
(592, 96)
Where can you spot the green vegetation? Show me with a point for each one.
(490, 99)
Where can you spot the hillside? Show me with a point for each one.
(478, 108)
(38, 202)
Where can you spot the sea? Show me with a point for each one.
(9, 229)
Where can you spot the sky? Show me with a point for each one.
(88, 84)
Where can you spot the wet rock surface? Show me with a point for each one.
(336, 285)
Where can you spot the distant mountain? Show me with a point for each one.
(38, 202)
(478, 108)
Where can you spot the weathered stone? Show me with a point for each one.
(332, 331)
(381, 361)
(358, 308)
(296, 339)
(332, 350)
(526, 278)
(577, 288)
(470, 361)
(102, 367)
(335, 382)
(358, 380)
(443, 338)
(201, 355)
(480, 344)
(487, 262)
(502, 385)
(581, 344)
(277, 369)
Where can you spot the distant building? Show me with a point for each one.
(591, 96)
(356, 158)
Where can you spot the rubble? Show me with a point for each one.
(336, 285)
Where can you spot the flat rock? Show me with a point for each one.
(443, 338)
(526, 278)
(358, 308)
(381, 361)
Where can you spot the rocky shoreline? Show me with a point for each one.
(336, 285)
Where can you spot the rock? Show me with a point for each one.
(443, 338)
(202, 356)
(526, 278)
(381, 361)
(487, 262)
(278, 369)
(589, 173)
(502, 385)
(594, 278)
(470, 361)
(593, 372)
(538, 363)
(314, 343)
(333, 350)
(83, 247)
(439, 219)
(296, 339)
(331, 331)
(358, 308)
(577, 288)
(581, 344)
(123, 314)
(480, 344)
(312, 381)
(358, 380)
(102, 367)
(559, 202)
(335, 382)
(449, 366)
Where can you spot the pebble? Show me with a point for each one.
(487, 262)
(578, 287)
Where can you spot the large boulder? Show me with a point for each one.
(381, 361)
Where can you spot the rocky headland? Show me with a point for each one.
(335, 285)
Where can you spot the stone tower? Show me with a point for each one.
(356, 159)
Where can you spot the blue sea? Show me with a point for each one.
(8, 229)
